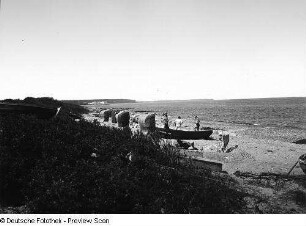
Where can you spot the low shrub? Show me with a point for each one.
(66, 108)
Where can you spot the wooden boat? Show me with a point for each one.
(40, 112)
(184, 134)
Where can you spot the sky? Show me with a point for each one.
(152, 49)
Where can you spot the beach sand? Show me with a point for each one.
(254, 155)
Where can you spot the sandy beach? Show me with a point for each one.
(253, 156)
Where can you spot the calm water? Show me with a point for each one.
(274, 112)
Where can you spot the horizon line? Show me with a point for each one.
(208, 99)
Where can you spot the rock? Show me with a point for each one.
(94, 155)
(132, 157)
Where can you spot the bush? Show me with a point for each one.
(66, 108)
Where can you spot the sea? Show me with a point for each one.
(285, 118)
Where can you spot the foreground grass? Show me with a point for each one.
(49, 166)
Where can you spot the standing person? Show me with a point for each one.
(178, 123)
(197, 123)
(165, 121)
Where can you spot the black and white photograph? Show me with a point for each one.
(152, 107)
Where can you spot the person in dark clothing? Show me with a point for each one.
(197, 123)
(165, 121)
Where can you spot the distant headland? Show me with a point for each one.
(99, 101)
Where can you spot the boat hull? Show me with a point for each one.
(183, 134)
(40, 112)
